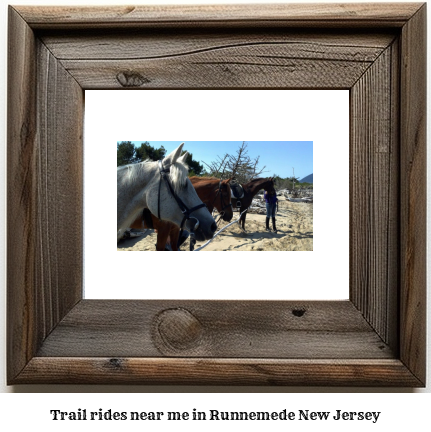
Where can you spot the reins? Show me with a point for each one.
(218, 232)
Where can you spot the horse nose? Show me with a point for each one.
(213, 227)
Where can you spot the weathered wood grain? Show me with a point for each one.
(252, 59)
(269, 66)
(59, 188)
(376, 338)
(141, 44)
(197, 371)
(199, 71)
(45, 105)
(348, 15)
(235, 329)
(374, 195)
(21, 196)
(413, 193)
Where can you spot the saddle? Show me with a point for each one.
(237, 191)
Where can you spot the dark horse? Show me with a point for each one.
(212, 192)
(250, 190)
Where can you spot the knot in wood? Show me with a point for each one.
(115, 363)
(131, 79)
(178, 328)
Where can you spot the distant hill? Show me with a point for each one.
(308, 179)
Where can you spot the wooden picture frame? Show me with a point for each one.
(376, 338)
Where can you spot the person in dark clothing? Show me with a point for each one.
(271, 206)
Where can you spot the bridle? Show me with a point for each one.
(184, 209)
(223, 206)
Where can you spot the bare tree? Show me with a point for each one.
(216, 168)
(240, 166)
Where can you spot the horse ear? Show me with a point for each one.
(183, 157)
(172, 157)
(229, 179)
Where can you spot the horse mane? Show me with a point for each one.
(253, 182)
(260, 179)
(214, 179)
(132, 171)
(258, 183)
(178, 172)
(204, 178)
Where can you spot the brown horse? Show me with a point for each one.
(250, 190)
(212, 192)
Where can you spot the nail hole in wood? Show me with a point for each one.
(298, 312)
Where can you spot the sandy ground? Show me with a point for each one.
(295, 233)
(294, 224)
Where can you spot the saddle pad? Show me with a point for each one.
(236, 191)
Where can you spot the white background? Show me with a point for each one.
(203, 115)
(400, 410)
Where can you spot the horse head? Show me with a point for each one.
(225, 200)
(270, 186)
(181, 205)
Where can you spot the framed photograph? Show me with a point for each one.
(306, 238)
(376, 337)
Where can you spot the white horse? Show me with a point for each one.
(141, 186)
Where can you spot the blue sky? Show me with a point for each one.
(279, 157)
